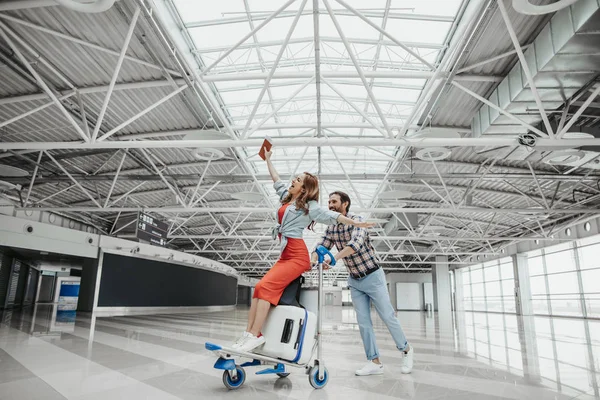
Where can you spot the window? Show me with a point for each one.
(346, 297)
(489, 286)
(564, 278)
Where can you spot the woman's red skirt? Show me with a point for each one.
(292, 263)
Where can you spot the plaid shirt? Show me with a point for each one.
(342, 235)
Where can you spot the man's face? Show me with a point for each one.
(335, 204)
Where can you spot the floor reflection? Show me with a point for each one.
(558, 353)
(465, 355)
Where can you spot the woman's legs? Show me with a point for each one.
(261, 313)
(252, 314)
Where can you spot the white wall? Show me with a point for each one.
(560, 236)
(337, 295)
(394, 277)
(27, 234)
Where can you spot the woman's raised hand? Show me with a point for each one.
(268, 154)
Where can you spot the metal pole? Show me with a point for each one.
(320, 366)
(279, 107)
(358, 68)
(503, 112)
(38, 57)
(273, 69)
(35, 171)
(405, 74)
(112, 186)
(74, 181)
(246, 37)
(82, 42)
(356, 108)
(177, 197)
(301, 143)
(113, 80)
(392, 38)
(515, 40)
(575, 117)
(492, 59)
(41, 82)
(142, 113)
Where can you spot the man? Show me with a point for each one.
(367, 284)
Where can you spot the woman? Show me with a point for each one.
(299, 209)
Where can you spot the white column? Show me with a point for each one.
(441, 285)
(442, 303)
(461, 324)
(523, 302)
(459, 295)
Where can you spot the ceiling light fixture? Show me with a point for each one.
(433, 154)
(13, 172)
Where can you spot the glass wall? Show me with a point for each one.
(588, 255)
(564, 279)
(489, 286)
(563, 355)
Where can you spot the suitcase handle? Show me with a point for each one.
(288, 327)
(298, 338)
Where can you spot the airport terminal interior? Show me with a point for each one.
(139, 219)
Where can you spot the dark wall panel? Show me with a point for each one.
(47, 289)
(243, 295)
(5, 272)
(87, 287)
(137, 282)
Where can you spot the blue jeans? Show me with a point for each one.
(373, 288)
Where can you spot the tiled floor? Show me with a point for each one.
(50, 355)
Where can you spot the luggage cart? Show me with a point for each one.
(234, 374)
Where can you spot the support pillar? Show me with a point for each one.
(525, 318)
(442, 302)
(459, 315)
(459, 296)
(523, 303)
(441, 285)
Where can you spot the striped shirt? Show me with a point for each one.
(340, 235)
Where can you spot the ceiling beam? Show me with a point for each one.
(243, 179)
(551, 144)
(407, 74)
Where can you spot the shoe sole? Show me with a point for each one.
(372, 373)
(248, 350)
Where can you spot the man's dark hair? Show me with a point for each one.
(343, 197)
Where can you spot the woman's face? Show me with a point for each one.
(297, 185)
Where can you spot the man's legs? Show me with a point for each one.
(377, 290)
(381, 299)
(362, 306)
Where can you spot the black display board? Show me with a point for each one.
(137, 282)
(151, 230)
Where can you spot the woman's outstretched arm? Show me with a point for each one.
(270, 166)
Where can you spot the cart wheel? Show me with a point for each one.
(234, 383)
(283, 374)
(313, 378)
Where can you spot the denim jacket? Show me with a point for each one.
(294, 221)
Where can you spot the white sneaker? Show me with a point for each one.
(407, 361)
(240, 341)
(370, 369)
(252, 342)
